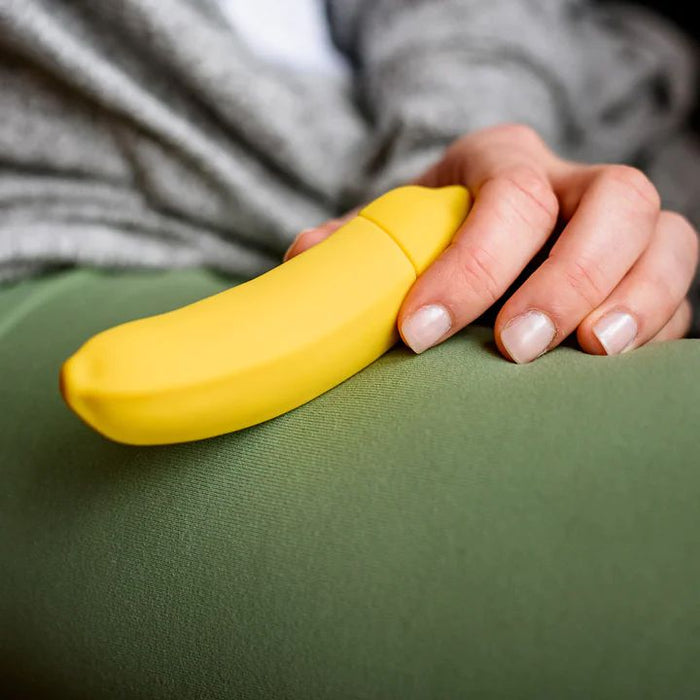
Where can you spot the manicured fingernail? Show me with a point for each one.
(294, 242)
(528, 336)
(422, 329)
(616, 331)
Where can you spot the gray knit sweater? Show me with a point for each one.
(146, 133)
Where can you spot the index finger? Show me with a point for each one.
(515, 211)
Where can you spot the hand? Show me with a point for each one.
(617, 274)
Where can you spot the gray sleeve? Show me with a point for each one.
(610, 83)
(140, 133)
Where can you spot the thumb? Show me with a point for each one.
(311, 236)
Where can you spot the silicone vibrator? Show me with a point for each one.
(262, 348)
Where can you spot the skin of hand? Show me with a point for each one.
(617, 270)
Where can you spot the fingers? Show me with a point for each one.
(312, 236)
(611, 228)
(514, 213)
(617, 275)
(507, 168)
(649, 301)
(307, 239)
(479, 156)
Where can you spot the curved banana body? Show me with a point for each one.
(269, 345)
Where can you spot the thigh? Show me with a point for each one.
(443, 525)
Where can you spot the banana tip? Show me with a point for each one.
(67, 384)
(62, 381)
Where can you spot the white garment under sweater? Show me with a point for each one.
(292, 32)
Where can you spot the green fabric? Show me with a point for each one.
(442, 526)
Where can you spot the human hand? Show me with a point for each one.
(617, 274)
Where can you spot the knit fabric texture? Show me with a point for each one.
(147, 133)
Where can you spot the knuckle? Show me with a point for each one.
(475, 272)
(519, 133)
(465, 143)
(512, 135)
(633, 184)
(528, 194)
(585, 279)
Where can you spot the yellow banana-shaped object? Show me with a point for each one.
(267, 346)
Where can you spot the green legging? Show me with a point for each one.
(447, 525)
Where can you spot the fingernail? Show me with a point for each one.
(528, 336)
(294, 242)
(422, 329)
(616, 331)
